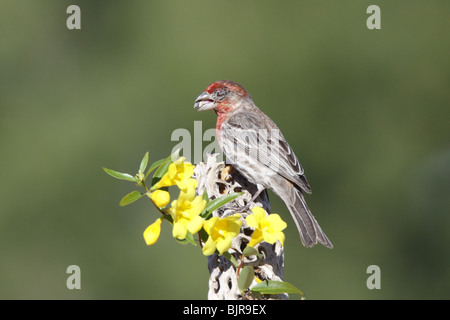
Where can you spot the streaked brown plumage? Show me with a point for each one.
(252, 142)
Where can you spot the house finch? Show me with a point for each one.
(252, 142)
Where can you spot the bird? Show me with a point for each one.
(255, 146)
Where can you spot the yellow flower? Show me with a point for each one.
(160, 198)
(151, 234)
(177, 172)
(221, 232)
(185, 211)
(267, 228)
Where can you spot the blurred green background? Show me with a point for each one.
(367, 113)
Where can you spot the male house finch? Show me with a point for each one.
(257, 149)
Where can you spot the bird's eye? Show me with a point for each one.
(221, 93)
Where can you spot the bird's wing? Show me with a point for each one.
(256, 136)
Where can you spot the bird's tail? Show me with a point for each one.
(309, 229)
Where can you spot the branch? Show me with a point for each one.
(218, 179)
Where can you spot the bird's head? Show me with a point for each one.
(222, 95)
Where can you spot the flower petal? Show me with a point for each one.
(224, 244)
(257, 237)
(209, 247)
(276, 222)
(208, 225)
(185, 170)
(251, 221)
(160, 198)
(280, 236)
(197, 205)
(259, 211)
(187, 183)
(172, 171)
(187, 189)
(179, 230)
(195, 224)
(151, 234)
(269, 237)
(164, 182)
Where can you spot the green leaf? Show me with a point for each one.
(168, 218)
(144, 163)
(130, 198)
(231, 258)
(203, 235)
(160, 172)
(154, 166)
(162, 166)
(189, 239)
(182, 241)
(119, 175)
(205, 196)
(218, 202)
(275, 287)
(250, 251)
(162, 169)
(246, 277)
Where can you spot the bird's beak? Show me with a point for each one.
(204, 102)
